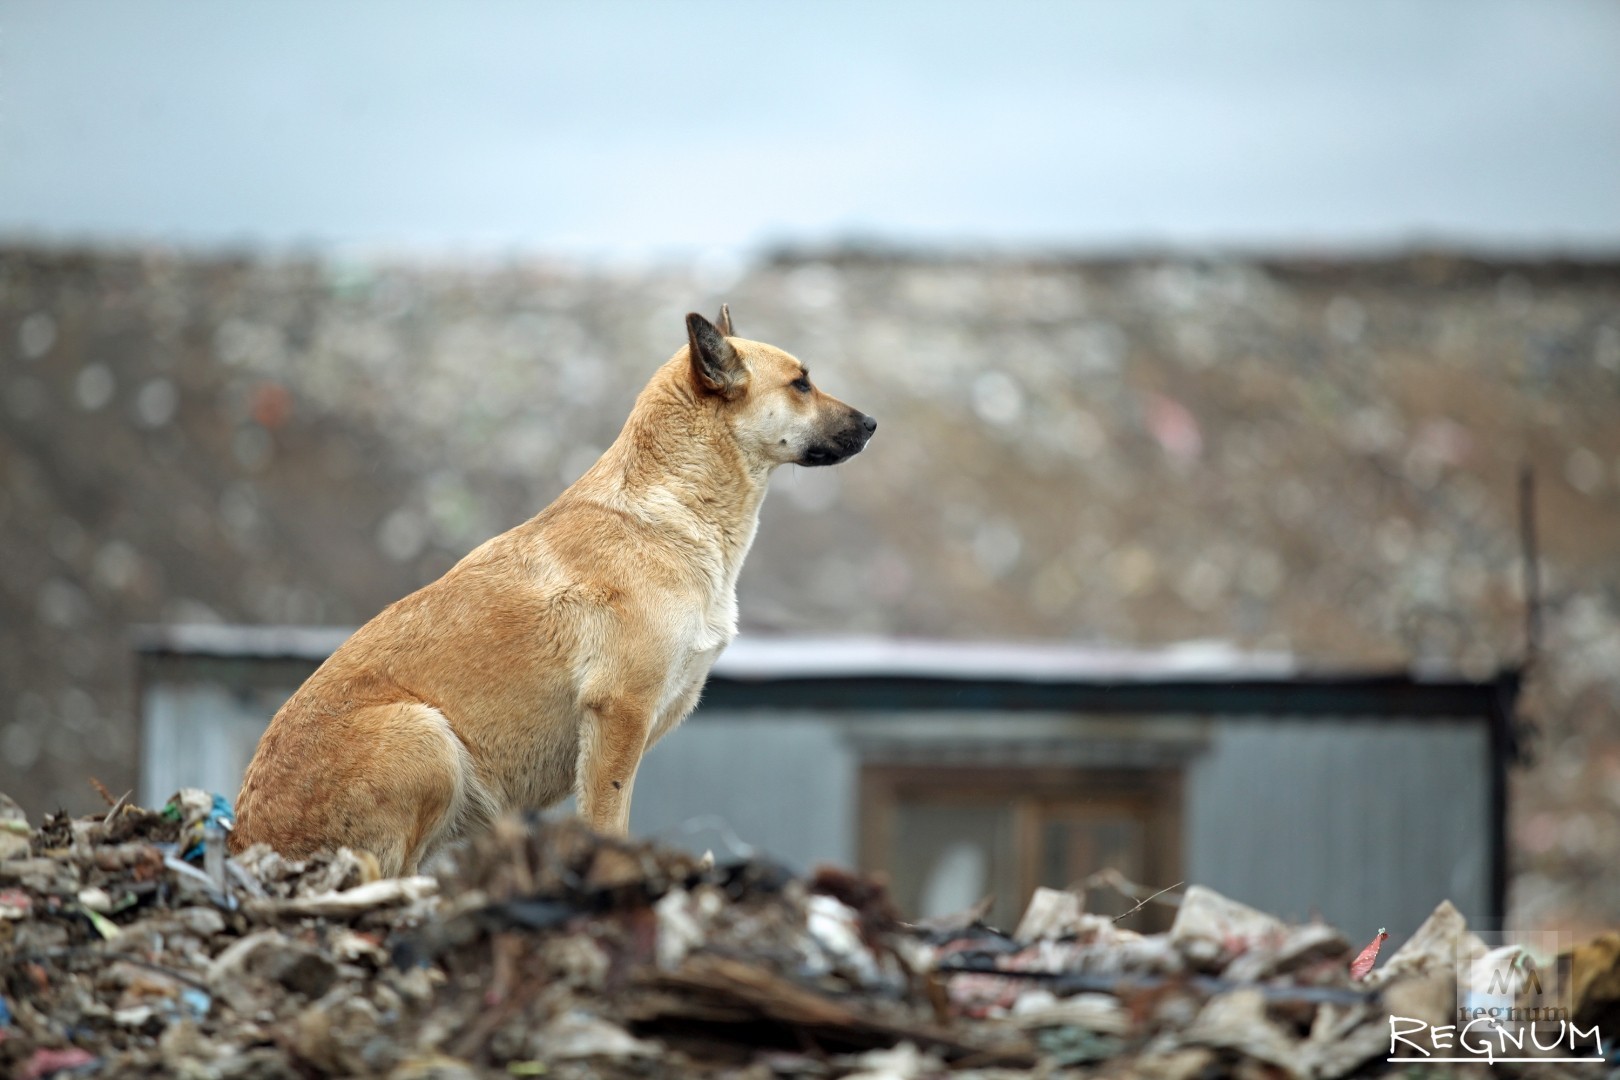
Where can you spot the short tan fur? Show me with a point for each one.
(553, 656)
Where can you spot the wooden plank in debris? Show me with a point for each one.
(717, 988)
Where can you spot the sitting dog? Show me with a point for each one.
(553, 656)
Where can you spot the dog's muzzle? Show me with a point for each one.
(846, 444)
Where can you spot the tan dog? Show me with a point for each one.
(550, 658)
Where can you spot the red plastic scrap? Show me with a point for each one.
(50, 1062)
(1365, 959)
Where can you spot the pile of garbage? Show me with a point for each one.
(133, 945)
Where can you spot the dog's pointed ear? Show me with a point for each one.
(724, 323)
(716, 367)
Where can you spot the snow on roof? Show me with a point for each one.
(257, 642)
(760, 657)
(828, 657)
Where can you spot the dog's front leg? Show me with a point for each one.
(611, 742)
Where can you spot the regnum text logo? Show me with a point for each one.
(1512, 1004)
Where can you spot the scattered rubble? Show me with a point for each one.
(132, 945)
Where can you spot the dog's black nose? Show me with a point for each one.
(869, 423)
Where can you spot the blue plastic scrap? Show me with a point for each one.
(196, 1002)
(221, 815)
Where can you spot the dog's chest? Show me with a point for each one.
(715, 622)
(690, 674)
(708, 627)
(708, 635)
(714, 632)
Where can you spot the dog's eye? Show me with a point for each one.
(801, 384)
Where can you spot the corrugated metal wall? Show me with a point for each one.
(200, 734)
(1370, 823)
(785, 784)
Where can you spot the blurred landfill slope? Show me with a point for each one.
(1318, 457)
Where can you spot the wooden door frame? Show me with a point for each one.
(1152, 794)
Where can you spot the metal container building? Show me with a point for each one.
(962, 770)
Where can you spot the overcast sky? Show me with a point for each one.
(656, 129)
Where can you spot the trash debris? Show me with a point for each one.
(44, 1063)
(544, 950)
(1366, 958)
(1594, 981)
(14, 830)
